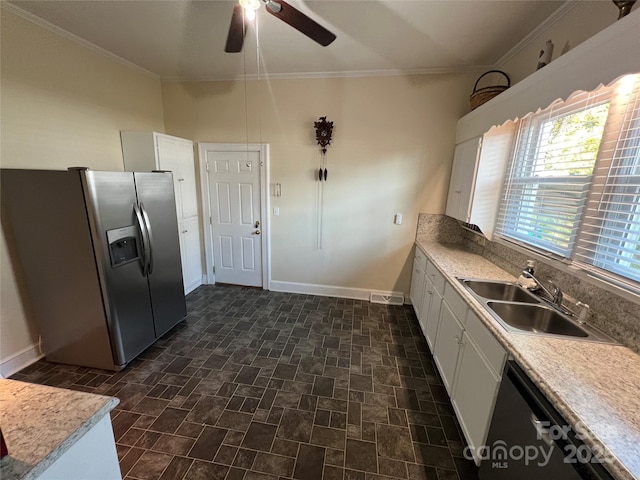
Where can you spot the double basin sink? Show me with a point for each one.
(519, 310)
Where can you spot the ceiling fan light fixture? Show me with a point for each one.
(279, 9)
(250, 5)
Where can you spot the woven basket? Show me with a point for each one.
(483, 95)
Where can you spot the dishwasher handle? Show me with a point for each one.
(541, 428)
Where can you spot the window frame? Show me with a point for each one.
(535, 126)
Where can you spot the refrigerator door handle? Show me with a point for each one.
(145, 216)
(145, 239)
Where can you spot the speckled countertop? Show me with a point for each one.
(40, 423)
(595, 386)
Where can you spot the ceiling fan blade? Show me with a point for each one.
(300, 22)
(235, 37)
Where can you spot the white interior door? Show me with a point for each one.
(236, 221)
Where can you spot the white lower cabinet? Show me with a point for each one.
(417, 282)
(447, 346)
(427, 298)
(93, 456)
(433, 318)
(476, 387)
(469, 358)
(434, 290)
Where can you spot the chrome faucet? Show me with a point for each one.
(555, 296)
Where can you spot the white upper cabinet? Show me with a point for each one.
(477, 177)
(463, 173)
(176, 154)
(147, 151)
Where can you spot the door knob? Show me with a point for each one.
(257, 232)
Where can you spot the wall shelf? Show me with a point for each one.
(599, 60)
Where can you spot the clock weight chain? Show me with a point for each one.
(324, 131)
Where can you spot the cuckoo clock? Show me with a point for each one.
(324, 131)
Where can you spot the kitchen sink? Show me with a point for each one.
(503, 291)
(518, 310)
(536, 319)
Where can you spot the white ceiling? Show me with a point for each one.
(184, 39)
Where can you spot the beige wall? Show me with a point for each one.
(583, 21)
(391, 152)
(61, 105)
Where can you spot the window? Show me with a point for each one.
(573, 185)
(610, 234)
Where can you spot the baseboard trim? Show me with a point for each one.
(19, 360)
(325, 290)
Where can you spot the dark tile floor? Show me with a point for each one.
(263, 385)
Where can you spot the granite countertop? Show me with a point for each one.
(40, 423)
(595, 386)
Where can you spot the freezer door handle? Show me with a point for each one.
(145, 216)
(145, 239)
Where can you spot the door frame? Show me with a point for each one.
(263, 150)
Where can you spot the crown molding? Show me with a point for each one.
(536, 32)
(344, 74)
(10, 7)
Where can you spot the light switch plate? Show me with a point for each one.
(276, 211)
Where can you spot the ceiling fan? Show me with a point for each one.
(277, 8)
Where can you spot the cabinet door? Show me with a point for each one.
(187, 179)
(427, 296)
(474, 395)
(190, 253)
(463, 173)
(168, 159)
(447, 346)
(417, 287)
(433, 317)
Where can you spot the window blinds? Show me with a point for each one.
(573, 185)
(610, 232)
(549, 177)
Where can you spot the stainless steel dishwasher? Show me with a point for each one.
(529, 440)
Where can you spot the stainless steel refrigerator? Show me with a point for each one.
(100, 258)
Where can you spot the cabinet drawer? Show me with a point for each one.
(489, 347)
(419, 259)
(457, 304)
(436, 277)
